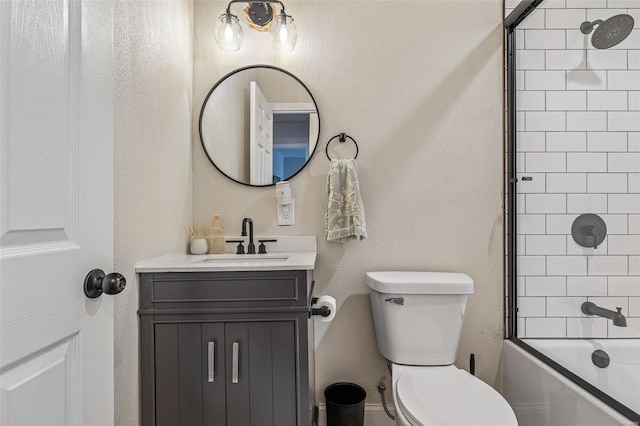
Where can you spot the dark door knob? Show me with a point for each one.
(97, 283)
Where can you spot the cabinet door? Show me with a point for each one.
(183, 371)
(265, 391)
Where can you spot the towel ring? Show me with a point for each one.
(342, 137)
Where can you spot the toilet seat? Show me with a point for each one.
(446, 396)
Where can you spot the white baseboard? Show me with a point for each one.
(374, 415)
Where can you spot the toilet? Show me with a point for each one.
(418, 319)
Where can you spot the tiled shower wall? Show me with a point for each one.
(578, 117)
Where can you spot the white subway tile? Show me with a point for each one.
(546, 286)
(520, 121)
(545, 162)
(531, 307)
(546, 327)
(606, 141)
(520, 161)
(634, 101)
(586, 162)
(624, 121)
(587, 4)
(612, 303)
(531, 265)
(565, 60)
(534, 21)
(586, 286)
(587, 121)
(623, 80)
(608, 265)
(567, 101)
(624, 162)
(530, 60)
(546, 203)
(586, 328)
(520, 39)
(530, 100)
(520, 243)
(565, 18)
(616, 223)
(586, 80)
(573, 249)
(633, 59)
(545, 244)
(545, 80)
(634, 265)
(635, 14)
(634, 306)
(536, 185)
(634, 224)
(544, 39)
(632, 330)
(586, 203)
(545, 121)
(565, 306)
(535, 141)
(560, 223)
(577, 40)
(634, 141)
(624, 286)
(531, 224)
(598, 59)
(624, 244)
(607, 101)
(623, 3)
(624, 203)
(600, 183)
(566, 182)
(520, 283)
(605, 13)
(566, 265)
(566, 141)
(634, 183)
(553, 4)
(522, 330)
(521, 202)
(520, 80)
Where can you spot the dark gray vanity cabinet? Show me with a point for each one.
(224, 348)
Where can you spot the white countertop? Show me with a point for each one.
(288, 253)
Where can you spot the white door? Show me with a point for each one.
(56, 101)
(261, 138)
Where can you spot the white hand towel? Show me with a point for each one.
(344, 218)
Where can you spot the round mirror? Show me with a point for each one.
(259, 125)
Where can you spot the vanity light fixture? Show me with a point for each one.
(282, 31)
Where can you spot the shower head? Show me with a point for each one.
(609, 32)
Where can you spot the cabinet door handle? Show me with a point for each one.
(211, 361)
(234, 372)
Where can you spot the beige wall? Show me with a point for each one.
(419, 85)
(153, 108)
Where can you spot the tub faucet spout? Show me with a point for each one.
(618, 319)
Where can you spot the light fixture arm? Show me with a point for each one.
(251, 1)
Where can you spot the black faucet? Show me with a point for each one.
(251, 248)
(618, 319)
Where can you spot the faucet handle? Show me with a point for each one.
(262, 249)
(240, 248)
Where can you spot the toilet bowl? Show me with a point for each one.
(418, 319)
(446, 396)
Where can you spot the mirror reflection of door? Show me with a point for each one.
(260, 138)
(294, 127)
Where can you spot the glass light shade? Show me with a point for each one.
(228, 32)
(283, 33)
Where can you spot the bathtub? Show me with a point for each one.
(541, 396)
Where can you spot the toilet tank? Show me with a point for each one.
(418, 315)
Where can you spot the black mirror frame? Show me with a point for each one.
(206, 99)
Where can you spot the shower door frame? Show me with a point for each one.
(524, 8)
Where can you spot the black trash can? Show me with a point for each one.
(345, 404)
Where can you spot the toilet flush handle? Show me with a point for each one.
(395, 300)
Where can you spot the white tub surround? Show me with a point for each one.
(286, 254)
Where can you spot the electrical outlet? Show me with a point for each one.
(286, 214)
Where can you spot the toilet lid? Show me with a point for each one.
(448, 396)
